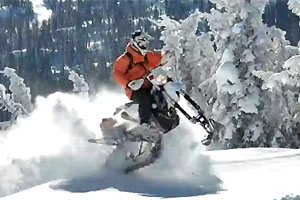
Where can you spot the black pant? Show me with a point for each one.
(143, 97)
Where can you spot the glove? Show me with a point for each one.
(135, 84)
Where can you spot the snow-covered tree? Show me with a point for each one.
(18, 100)
(79, 84)
(19, 92)
(8, 104)
(190, 51)
(294, 5)
(219, 67)
(284, 87)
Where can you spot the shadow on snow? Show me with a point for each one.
(137, 184)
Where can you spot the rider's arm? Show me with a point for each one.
(154, 59)
(120, 68)
(158, 58)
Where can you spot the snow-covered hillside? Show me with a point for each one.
(46, 156)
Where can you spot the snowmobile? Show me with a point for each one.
(141, 145)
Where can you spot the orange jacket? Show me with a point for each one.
(124, 73)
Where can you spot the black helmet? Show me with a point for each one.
(140, 41)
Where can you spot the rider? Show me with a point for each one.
(131, 68)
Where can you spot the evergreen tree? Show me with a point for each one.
(238, 45)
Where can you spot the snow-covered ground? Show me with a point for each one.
(246, 174)
(46, 156)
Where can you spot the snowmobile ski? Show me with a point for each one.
(104, 141)
(123, 107)
(207, 141)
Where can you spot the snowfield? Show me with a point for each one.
(246, 174)
(46, 156)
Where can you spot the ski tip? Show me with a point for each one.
(92, 140)
(128, 171)
(206, 142)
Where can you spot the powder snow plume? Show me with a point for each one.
(51, 144)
